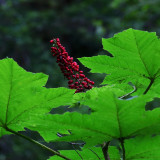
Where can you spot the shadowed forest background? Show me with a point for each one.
(26, 26)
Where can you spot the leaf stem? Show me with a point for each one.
(105, 150)
(127, 95)
(37, 143)
(149, 86)
(123, 149)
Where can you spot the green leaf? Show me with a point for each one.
(142, 148)
(23, 95)
(136, 58)
(86, 154)
(111, 118)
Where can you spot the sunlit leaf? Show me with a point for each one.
(23, 93)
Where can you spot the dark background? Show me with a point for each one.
(26, 26)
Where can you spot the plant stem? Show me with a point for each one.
(105, 150)
(128, 94)
(37, 143)
(149, 86)
(123, 149)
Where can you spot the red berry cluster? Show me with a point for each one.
(70, 69)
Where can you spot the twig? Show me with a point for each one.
(37, 143)
(105, 150)
(126, 95)
(123, 149)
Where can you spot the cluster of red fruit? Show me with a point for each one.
(69, 68)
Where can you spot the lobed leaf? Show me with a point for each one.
(135, 59)
(111, 118)
(23, 93)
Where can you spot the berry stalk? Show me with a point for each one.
(70, 69)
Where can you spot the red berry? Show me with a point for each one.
(57, 39)
(54, 54)
(71, 86)
(77, 66)
(82, 75)
(91, 82)
(71, 71)
(85, 79)
(90, 87)
(71, 59)
(84, 83)
(51, 41)
(68, 58)
(77, 76)
(70, 81)
(85, 86)
(69, 68)
(74, 63)
(76, 83)
(88, 80)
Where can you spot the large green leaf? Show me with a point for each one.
(136, 58)
(143, 148)
(110, 118)
(23, 93)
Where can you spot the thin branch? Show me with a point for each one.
(105, 150)
(126, 95)
(149, 86)
(37, 143)
(60, 135)
(94, 153)
(123, 149)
